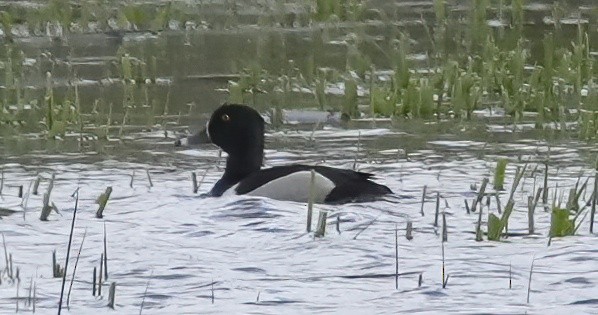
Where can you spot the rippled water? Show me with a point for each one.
(252, 255)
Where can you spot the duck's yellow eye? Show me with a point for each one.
(225, 117)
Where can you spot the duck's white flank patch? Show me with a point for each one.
(184, 142)
(295, 187)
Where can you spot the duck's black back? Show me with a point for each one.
(348, 184)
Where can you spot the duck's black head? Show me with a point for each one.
(237, 129)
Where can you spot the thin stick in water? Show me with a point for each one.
(423, 199)
(212, 289)
(145, 293)
(105, 255)
(321, 226)
(93, 288)
(545, 193)
(68, 295)
(595, 199)
(194, 181)
(100, 274)
(68, 252)
(529, 284)
(132, 178)
(480, 195)
(310, 203)
(437, 213)
(396, 257)
(510, 276)
(365, 227)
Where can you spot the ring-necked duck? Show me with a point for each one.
(239, 131)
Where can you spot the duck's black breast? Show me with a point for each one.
(292, 182)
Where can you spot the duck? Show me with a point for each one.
(239, 130)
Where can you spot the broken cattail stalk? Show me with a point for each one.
(467, 206)
(531, 207)
(530, 215)
(480, 195)
(338, 224)
(408, 233)
(56, 270)
(36, 185)
(478, 230)
(2, 182)
(10, 269)
(20, 191)
(321, 226)
(102, 201)
(68, 252)
(149, 178)
(423, 199)
(111, 294)
(444, 279)
(194, 180)
(420, 280)
(437, 213)
(310, 202)
(46, 208)
(93, 287)
(444, 228)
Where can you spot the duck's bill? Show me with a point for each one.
(194, 139)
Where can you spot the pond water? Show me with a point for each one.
(171, 251)
(254, 256)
